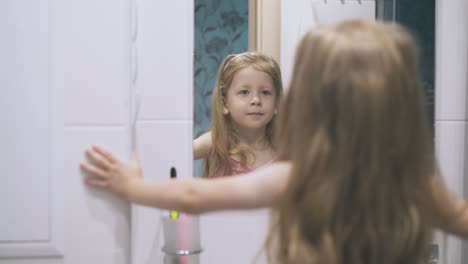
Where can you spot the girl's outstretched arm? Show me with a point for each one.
(202, 146)
(191, 195)
(452, 210)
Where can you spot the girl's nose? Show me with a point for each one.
(255, 100)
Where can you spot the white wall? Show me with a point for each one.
(164, 56)
(451, 108)
(298, 16)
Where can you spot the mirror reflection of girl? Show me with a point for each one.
(356, 179)
(244, 101)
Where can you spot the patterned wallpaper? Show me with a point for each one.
(221, 28)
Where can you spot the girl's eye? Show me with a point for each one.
(266, 92)
(244, 92)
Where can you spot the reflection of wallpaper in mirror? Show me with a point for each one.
(422, 26)
(221, 28)
(419, 17)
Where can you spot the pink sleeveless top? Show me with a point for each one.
(237, 168)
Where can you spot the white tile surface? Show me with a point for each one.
(451, 60)
(96, 222)
(297, 17)
(451, 148)
(165, 59)
(160, 145)
(332, 11)
(163, 144)
(451, 84)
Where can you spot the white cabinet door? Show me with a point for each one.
(64, 84)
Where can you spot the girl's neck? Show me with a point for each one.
(255, 139)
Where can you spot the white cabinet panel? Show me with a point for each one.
(25, 115)
(31, 139)
(60, 56)
(92, 58)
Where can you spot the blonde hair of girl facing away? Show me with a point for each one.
(354, 126)
(226, 140)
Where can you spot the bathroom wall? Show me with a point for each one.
(299, 16)
(451, 116)
(162, 80)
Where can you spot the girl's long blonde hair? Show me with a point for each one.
(226, 141)
(355, 127)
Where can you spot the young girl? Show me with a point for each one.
(244, 101)
(357, 179)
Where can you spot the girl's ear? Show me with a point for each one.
(275, 112)
(225, 109)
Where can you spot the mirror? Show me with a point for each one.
(225, 27)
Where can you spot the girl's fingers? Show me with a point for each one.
(94, 171)
(96, 183)
(98, 159)
(111, 158)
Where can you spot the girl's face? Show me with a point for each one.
(250, 99)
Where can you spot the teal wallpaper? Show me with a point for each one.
(221, 28)
(419, 17)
